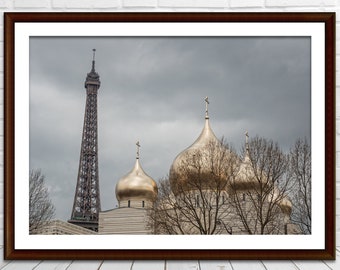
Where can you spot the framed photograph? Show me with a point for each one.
(169, 136)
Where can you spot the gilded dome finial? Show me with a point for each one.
(247, 138)
(206, 107)
(247, 156)
(137, 153)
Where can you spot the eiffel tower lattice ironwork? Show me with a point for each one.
(86, 206)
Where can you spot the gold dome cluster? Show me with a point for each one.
(137, 185)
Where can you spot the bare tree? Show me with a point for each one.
(193, 200)
(41, 209)
(300, 168)
(259, 194)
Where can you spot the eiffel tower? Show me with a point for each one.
(86, 205)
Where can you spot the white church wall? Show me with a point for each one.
(125, 220)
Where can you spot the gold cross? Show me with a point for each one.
(206, 106)
(138, 146)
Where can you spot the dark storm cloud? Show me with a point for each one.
(152, 90)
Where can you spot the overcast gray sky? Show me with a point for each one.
(153, 90)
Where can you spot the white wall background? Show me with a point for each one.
(171, 6)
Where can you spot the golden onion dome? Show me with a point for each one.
(206, 138)
(246, 178)
(136, 185)
(199, 153)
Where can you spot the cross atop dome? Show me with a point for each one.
(138, 146)
(247, 139)
(206, 107)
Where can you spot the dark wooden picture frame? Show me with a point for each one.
(11, 252)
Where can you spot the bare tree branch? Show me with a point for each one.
(41, 208)
(259, 193)
(300, 169)
(214, 191)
